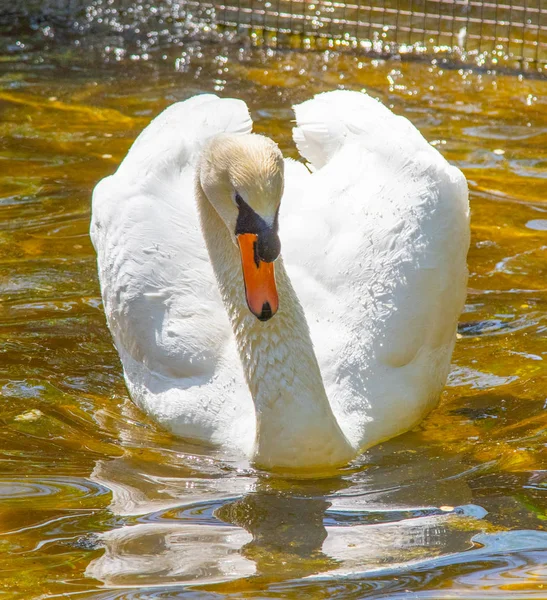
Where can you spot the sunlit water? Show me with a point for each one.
(98, 502)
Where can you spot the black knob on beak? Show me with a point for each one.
(266, 313)
(248, 221)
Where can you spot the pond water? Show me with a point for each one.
(99, 502)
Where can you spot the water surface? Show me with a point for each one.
(98, 502)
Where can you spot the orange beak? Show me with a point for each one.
(259, 277)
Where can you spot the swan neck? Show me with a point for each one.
(296, 427)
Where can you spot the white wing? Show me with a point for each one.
(375, 241)
(159, 292)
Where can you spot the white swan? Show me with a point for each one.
(368, 290)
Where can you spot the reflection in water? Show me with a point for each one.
(150, 554)
(287, 533)
(275, 530)
(506, 566)
(333, 532)
(306, 538)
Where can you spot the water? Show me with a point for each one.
(98, 502)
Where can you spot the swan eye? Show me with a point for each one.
(238, 199)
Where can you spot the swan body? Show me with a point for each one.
(370, 281)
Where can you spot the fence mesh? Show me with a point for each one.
(501, 33)
(511, 33)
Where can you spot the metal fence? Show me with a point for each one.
(510, 33)
(501, 33)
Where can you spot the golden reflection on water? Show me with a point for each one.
(98, 502)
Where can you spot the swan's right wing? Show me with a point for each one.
(159, 292)
(375, 241)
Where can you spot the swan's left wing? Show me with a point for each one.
(159, 292)
(375, 241)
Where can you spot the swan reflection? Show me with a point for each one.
(225, 528)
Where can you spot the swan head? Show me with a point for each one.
(242, 177)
